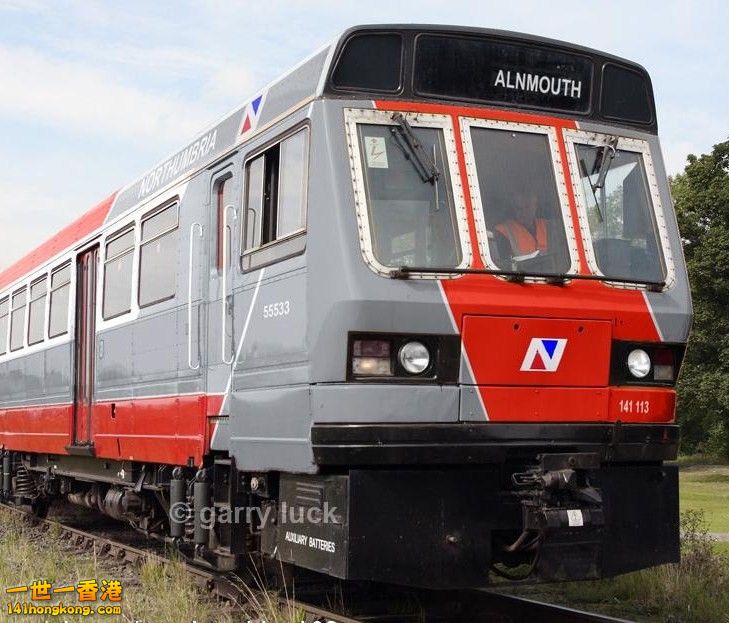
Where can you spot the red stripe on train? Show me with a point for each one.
(170, 430)
(76, 231)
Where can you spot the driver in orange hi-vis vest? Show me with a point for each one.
(526, 234)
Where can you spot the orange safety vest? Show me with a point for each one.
(521, 239)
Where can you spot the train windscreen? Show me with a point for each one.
(409, 196)
(519, 201)
(621, 218)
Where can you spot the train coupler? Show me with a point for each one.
(562, 516)
(558, 494)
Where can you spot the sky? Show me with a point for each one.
(92, 94)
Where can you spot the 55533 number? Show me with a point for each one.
(274, 310)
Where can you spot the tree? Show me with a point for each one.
(701, 197)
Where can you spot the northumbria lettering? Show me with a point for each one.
(178, 164)
(552, 85)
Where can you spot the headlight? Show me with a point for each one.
(639, 363)
(414, 357)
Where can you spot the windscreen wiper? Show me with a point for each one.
(405, 137)
(606, 156)
(404, 272)
(586, 175)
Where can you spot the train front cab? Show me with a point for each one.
(530, 437)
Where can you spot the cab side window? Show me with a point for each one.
(274, 202)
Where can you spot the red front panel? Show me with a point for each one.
(538, 351)
(564, 374)
(546, 404)
(574, 404)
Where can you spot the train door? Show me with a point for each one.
(220, 339)
(85, 345)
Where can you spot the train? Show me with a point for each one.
(413, 314)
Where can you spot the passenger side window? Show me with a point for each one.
(37, 310)
(158, 256)
(275, 197)
(4, 317)
(17, 319)
(60, 290)
(118, 274)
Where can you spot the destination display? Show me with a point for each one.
(471, 68)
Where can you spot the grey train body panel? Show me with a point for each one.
(42, 378)
(331, 292)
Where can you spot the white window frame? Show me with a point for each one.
(564, 203)
(579, 137)
(356, 116)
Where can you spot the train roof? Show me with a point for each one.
(317, 76)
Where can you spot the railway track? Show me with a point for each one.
(482, 606)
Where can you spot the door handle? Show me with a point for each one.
(224, 287)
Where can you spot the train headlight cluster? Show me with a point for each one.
(414, 357)
(645, 363)
(403, 358)
(639, 363)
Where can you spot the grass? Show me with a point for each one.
(167, 594)
(706, 489)
(722, 547)
(696, 590)
(154, 595)
(688, 460)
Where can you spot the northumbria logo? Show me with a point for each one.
(543, 354)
